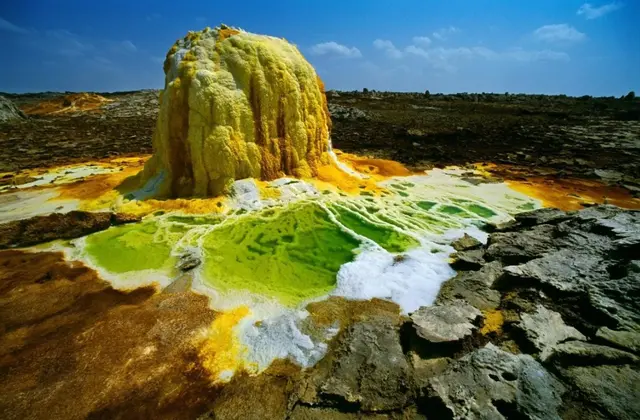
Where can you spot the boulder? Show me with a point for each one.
(468, 260)
(613, 389)
(366, 370)
(474, 287)
(629, 340)
(465, 243)
(521, 246)
(446, 323)
(544, 329)
(541, 216)
(492, 384)
(9, 112)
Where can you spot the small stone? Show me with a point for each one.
(468, 260)
(188, 261)
(474, 287)
(544, 329)
(447, 323)
(465, 243)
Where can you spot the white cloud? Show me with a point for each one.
(561, 33)
(519, 54)
(422, 40)
(449, 59)
(65, 43)
(128, 46)
(101, 61)
(443, 33)
(412, 49)
(5, 25)
(388, 48)
(591, 12)
(333, 48)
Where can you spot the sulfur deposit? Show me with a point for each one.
(235, 105)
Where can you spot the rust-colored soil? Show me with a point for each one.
(75, 102)
(72, 347)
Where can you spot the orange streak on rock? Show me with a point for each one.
(493, 322)
(189, 206)
(571, 194)
(221, 352)
(96, 186)
(267, 191)
(330, 177)
(370, 166)
(226, 33)
(75, 102)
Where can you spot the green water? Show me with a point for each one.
(481, 210)
(132, 247)
(426, 205)
(387, 238)
(293, 254)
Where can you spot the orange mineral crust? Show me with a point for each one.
(573, 194)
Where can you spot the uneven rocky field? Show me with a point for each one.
(541, 322)
(588, 137)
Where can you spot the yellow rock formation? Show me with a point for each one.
(235, 105)
(75, 102)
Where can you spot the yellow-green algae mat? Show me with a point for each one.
(275, 255)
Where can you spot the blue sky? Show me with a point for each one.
(541, 46)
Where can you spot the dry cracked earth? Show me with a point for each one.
(542, 322)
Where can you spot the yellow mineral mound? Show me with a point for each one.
(235, 105)
(75, 102)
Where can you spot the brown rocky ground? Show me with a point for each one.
(543, 135)
(546, 135)
(71, 347)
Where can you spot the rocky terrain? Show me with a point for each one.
(540, 323)
(547, 135)
(556, 136)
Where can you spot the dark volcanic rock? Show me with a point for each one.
(366, 370)
(26, 232)
(522, 245)
(544, 329)
(465, 243)
(588, 258)
(475, 287)
(446, 323)
(614, 389)
(493, 384)
(576, 353)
